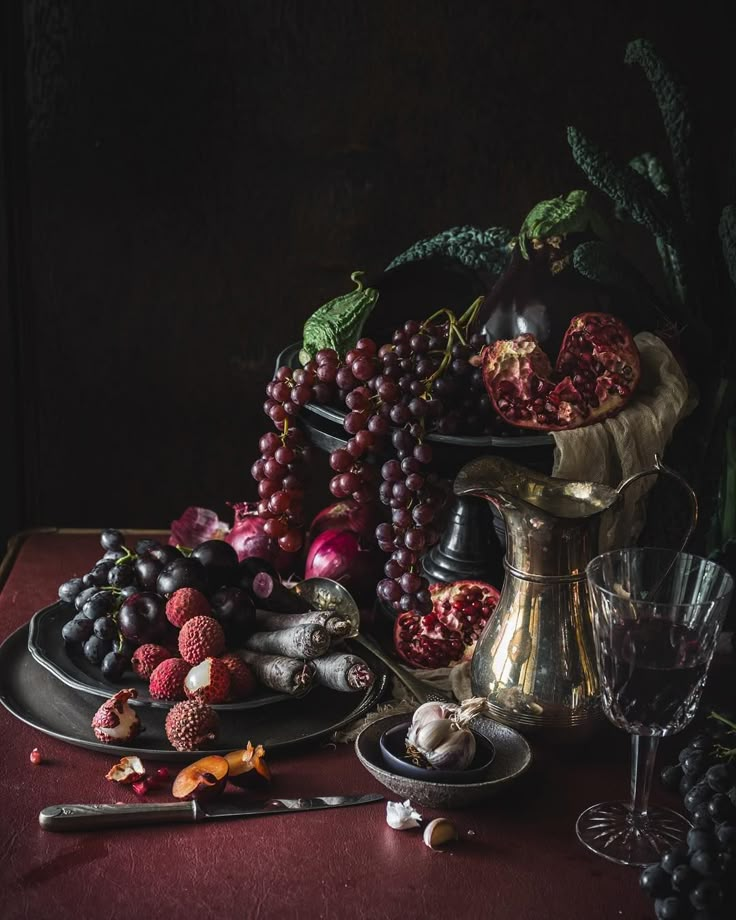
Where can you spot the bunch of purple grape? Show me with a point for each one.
(698, 878)
(120, 604)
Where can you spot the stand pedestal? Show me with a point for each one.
(470, 547)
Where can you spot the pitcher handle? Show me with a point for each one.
(654, 470)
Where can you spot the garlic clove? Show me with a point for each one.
(402, 816)
(439, 832)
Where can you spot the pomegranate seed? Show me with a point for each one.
(36, 757)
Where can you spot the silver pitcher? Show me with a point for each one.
(535, 661)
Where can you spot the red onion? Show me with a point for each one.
(346, 515)
(338, 554)
(248, 539)
(195, 526)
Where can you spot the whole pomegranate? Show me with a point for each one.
(596, 374)
(448, 634)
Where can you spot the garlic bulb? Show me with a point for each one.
(432, 710)
(443, 745)
(438, 733)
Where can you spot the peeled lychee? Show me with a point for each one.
(210, 680)
(185, 604)
(147, 657)
(167, 680)
(191, 724)
(116, 722)
(200, 638)
(242, 680)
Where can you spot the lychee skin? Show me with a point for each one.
(242, 680)
(209, 680)
(115, 722)
(167, 679)
(191, 724)
(185, 604)
(200, 638)
(147, 657)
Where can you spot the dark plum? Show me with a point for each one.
(219, 559)
(250, 567)
(70, 590)
(147, 570)
(233, 608)
(110, 538)
(182, 573)
(164, 553)
(142, 617)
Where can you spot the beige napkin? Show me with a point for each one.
(618, 447)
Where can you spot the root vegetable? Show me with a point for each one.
(344, 672)
(335, 623)
(306, 641)
(285, 675)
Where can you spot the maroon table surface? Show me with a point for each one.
(517, 856)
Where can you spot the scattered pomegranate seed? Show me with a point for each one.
(141, 787)
(163, 773)
(36, 757)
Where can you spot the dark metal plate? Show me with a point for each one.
(48, 648)
(35, 696)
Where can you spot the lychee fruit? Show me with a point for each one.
(185, 604)
(200, 638)
(147, 657)
(209, 680)
(242, 680)
(116, 722)
(167, 680)
(191, 724)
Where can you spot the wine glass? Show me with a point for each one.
(656, 620)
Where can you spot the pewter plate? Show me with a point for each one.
(513, 757)
(48, 648)
(34, 695)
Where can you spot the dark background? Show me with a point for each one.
(183, 182)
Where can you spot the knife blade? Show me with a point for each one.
(91, 817)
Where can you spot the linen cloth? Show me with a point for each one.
(618, 447)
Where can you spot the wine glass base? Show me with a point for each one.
(609, 830)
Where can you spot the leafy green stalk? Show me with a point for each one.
(673, 105)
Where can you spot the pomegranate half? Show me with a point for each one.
(449, 632)
(596, 374)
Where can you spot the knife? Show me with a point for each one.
(91, 817)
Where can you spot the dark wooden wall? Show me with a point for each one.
(184, 182)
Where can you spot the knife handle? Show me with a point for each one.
(91, 817)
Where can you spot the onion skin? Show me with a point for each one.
(346, 515)
(337, 554)
(248, 539)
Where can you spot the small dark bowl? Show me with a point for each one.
(392, 744)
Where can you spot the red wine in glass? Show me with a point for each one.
(652, 675)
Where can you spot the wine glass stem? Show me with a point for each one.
(643, 755)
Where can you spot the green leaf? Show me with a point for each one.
(627, 189)
(673, 105)
(727, 232)
(484, 250)
(337, 324)
(649, 166)
(559, 217)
